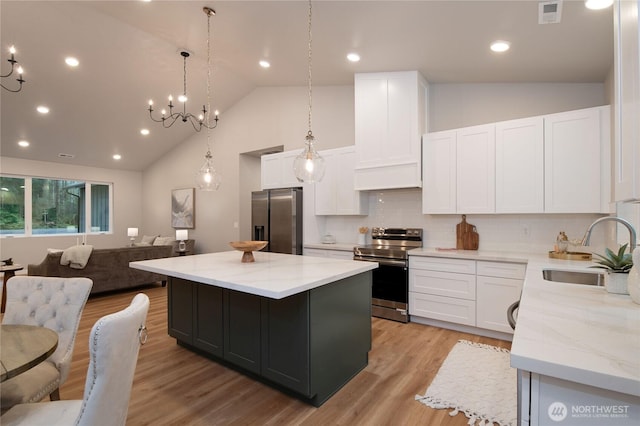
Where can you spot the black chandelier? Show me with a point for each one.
(198, 122)
(20, 71)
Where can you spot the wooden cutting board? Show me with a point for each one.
(467, 237)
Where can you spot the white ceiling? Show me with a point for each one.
(128, 52)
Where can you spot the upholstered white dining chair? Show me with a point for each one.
(114, 344)
(55, 303)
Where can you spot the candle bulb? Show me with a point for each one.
(20, 70)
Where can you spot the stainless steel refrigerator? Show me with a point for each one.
(276, 216)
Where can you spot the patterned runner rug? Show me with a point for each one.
(477, 380)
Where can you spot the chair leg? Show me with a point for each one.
(55, 395)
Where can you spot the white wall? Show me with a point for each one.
(127, 208)
(517, 233)
(275, 116)
(267, 117)
(460, 105)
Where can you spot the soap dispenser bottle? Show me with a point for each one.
(562, 242)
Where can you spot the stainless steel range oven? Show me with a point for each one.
(389, 247)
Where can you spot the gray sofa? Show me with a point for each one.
(108, 268)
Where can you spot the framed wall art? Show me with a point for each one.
(183, 208)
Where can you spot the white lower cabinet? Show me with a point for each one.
(461, 291)
(546, 400)
(436, 293)
(498, 286)
(334, 254)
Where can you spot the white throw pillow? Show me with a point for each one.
(163, 241)
(148, 239)
(54, 251)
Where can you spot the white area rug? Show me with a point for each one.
(477, 380)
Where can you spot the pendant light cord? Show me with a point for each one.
(309, 134)
(208, 84)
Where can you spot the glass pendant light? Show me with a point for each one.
(207, 178)
(309, 166)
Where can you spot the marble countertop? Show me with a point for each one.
(273, 275)
(574, 332)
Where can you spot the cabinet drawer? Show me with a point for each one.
(502, 269)
(443, 264)
(448, 284)
(450, 309)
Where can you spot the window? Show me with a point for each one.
(57, 206)
(12, 205)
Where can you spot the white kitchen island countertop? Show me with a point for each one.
(575, 332)
(273, 275)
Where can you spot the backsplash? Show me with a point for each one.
(513, 232)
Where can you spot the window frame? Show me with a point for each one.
(28, 207)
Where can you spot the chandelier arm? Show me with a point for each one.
(13, 91)
(13, 63)
(172, 119)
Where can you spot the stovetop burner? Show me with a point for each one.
(390, 243)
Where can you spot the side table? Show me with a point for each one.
(8, 272)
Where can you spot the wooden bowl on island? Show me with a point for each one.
(248, 247)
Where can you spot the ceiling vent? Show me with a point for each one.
(62, 155)
(549, 12)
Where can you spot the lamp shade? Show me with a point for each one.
(132, 232)
(182, 234)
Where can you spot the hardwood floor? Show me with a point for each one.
(174, 386)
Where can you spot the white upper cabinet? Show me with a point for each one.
(520, 166)
(475, 169)
(277, 170)
(557, 163)
(627, 105)
(335, 194)
(390, 118)
(439, 174)
(576, 161)
(459, 171)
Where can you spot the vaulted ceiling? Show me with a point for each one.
(129, 53)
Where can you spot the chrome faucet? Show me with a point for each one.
(632, 232)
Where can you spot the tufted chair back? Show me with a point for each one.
(114, 344)
(51, 302)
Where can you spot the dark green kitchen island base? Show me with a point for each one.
(311, 343)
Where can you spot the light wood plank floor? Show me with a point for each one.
(174, 386)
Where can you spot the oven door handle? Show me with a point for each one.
(382, 261)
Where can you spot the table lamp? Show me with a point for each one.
(132, 233)
(181, 235)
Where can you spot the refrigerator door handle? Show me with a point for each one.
(258, 233)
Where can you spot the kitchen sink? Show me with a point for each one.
(573, 277)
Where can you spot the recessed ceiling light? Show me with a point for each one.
(71, 61)
(500, 46)
(264, 64)
(144, 132)
(353, 57)
(23, 144)
(597, 4)
(117, 156)
(42, 109)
